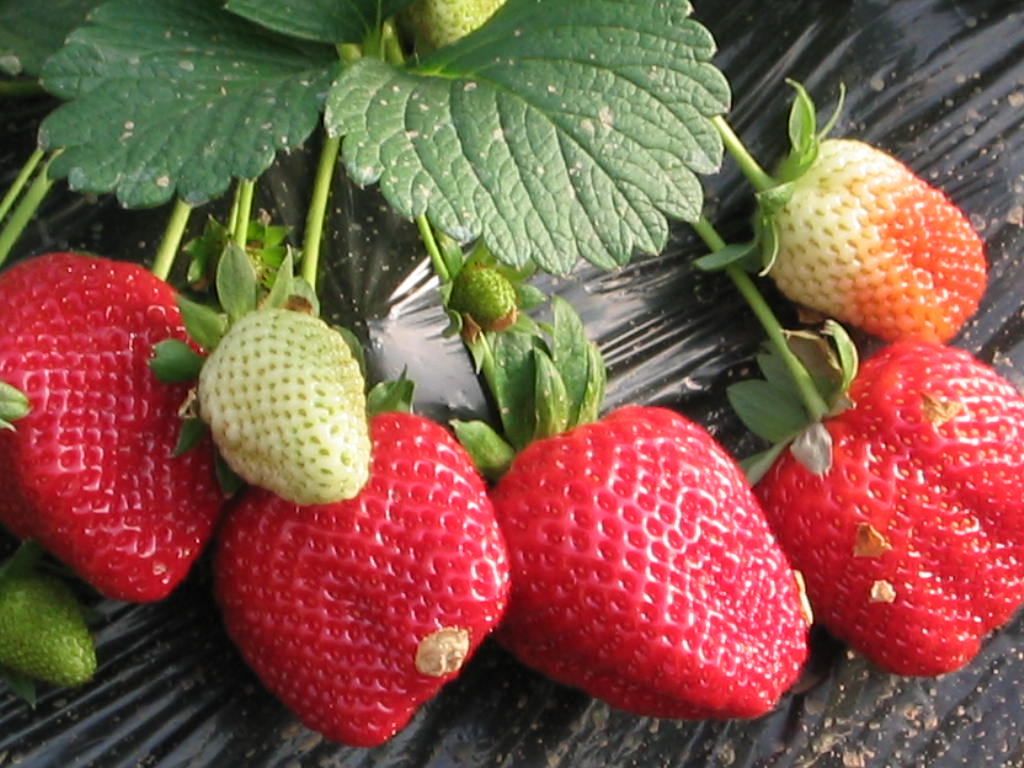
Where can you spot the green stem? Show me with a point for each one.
(812, 400)
(433, 249)
(246, 190)
(318, 208)
(16, 89)
(19, 182)
(171, 242)
(756, 175)
(390, 47)
(24, 211)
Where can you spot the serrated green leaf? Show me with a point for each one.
(773, 414)
(491, 454)
(328, 21)
(557, 131)
(550, 399)
(177, 97)
(30, 31)
(206, 326)
(175, 361)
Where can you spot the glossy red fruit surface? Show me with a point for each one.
(90, 471)
(644, 573)
(355, 613)
(912, 543)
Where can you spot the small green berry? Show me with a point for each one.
(485, 298)
(43, 633)
(441, 22)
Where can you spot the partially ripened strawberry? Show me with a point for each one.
(441, 22)
(43, 633)
(864, 240)
(355, 613)
(284, 398)
(912, 542)
(90, 472)
(644, 572)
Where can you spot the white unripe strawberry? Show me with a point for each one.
(284, 399)
(441, 22)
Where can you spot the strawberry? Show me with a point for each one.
(644, 573)
(283, 396)
(90, 471)
(864, 240)
(437, 23)
(912, 541)
(43, 633)
(355, 613)
(486, 299)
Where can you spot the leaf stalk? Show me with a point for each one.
(171, 241)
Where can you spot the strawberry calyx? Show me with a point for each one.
(545, 379)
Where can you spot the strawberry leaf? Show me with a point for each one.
(30, 31)
(556, 131)
(327, 21)
(178, 96)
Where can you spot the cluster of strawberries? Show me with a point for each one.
(629, 556)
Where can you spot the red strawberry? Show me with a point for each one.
(912, 543)
(357, 612)
(89, 472)
(864, 240)
(643, 571)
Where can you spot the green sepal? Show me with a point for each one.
(529, 296)
(550, 400)
(757, 465)
(228, 480)
(204, 324)
(577, 360)
(772, 413)
(390, 396)
(354, 346)
(767, 237)
(743, 255)
(281, 284)
(489, 451)
(237, 285)
(774, 199)
(512, 380)
(21, 685)
(13, 405)
(174, 361)
(848, 360)
(804, 136)
(204, 253)
(193, 429)
(22, 562)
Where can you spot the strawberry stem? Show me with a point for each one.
(756, 175)
(171, 241)
(243, 211)
(25, 210)
(812, 400)
(433, 249)
(318, 208)
(17, 89)
(19, 182)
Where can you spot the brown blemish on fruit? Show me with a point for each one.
(805, 604)
(442, 652)
(870, 542)
(939, 411)
(882, 592)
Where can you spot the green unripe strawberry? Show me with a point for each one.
(485, 298)
(441, 22)
(43, 633)
(284, 398)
